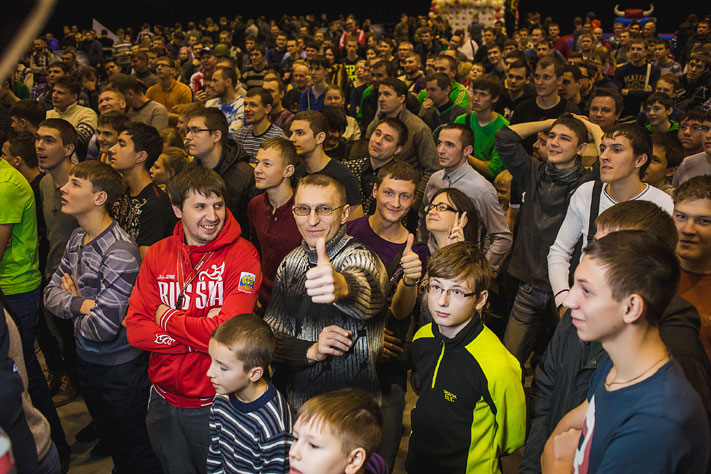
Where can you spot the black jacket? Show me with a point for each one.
(563, 374)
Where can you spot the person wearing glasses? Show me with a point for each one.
(455, 145)
(700, 163)
(326, 307)
(207, 140)
(471, 408)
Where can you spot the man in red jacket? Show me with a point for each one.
(189, 284)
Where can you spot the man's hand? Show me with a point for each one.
(323, 284)
(333, 341)
(559, 452)
(392, 347)
(69, 285)
(160, 311)
(214, 312)
(427, 104)
(411, 263)
(200, 96)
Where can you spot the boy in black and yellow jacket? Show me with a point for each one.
(471, 408)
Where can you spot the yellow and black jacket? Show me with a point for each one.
(471, 409)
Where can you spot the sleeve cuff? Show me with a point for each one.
(75, 304)
(166, 318)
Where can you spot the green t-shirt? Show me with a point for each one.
(459, 95)
(19, 267)
(484, 142)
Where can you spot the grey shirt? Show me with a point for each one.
(151, 113)
(59, 225)
(493, 230)
(694, 165)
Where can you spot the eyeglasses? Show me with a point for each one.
(441, 207)
(195, 130)
(696, 65)
(322, 211)
(695, 128)
(455, 293)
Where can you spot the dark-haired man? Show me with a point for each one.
(636, 78)
(224, 81)
(279, 116)
(458, 94)
(189, 283)
(438, 109)
(65, 93)
(168, 91)
(26, 115)
(144, 209)
(141, 108)
(257, 109)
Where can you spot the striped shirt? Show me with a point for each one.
(250, 142)
(105, 270)
(250, 437)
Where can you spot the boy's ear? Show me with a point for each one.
(582, 147)
(671, 171)
(100, 198)
(481, 301)
(634, 308)
(289, 171)
(255, 373)
(356, 460)
(177, 211)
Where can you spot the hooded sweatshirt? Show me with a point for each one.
(224, 273)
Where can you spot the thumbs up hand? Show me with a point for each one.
(323, 284)
(411, 263)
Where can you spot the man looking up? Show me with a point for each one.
(258, 106)
(26, 115)
(384, 145)
(64, 99)
(173, 311)
(207, 140)
(141, 108)
(230, 103)
(329, 324)
(309, 130)
(456, 142)
(143, 211)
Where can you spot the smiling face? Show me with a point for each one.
(437, 221)
(202, 217)
(692, 218)
(106, 137)
(270, 170)
(562, 146)
(393, 198)
(254, 110)
(603, 112)
(594, 312)
(111, 101)
(657, 113)
(313, 226)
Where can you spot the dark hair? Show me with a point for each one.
(265, 96)
(23, 145)
(125, 83)
(466, 136)
(659, 97)
(66, 131)
(228, 73)
(145, 138)
(102, 178)
(697, 115)
(335, 116)
(70, 83)
(30, 110)
(461, 261)
(389, 67)
(397, 85)
(114, 119)
(399, 126)
(60, 65)
(549, 61)
(280, 84)
(611, 93)
(574, 71)
(319, 60)
(637, 214)
(175, 159)
(639, 138)
(317, 122)
(575, 126)
(443, 80)
(250, 338)
(638, 262)
(672, 148)
(399, 170)
(450, 61)
(286, 149)
(698, 187)
(194, 178)
(489, 83)
(214, 119)
(462, 203)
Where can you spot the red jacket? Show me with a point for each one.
(229, 278)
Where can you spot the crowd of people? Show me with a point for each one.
(242, 241)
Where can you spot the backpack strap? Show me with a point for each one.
(594, 209)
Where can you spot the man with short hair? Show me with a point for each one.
(484, 122)
(456, 143)
(275, 56)
(309, 130)
(26, 115)
(698, 164)
(168, 91)
(257, 109)
(110, 125)
(413, 75)
(384, 145)
(141, 70)
(624, 157)
(428, 46)
(299, 81)
(208, 63)
(558, 43)
(516, 84)
(65, 93)
(279, 116)
(271, 220)
(141, 108)
(438, 109)
(691, 133)
(143, 211)
(495, 57)
(253, 76)
(664, 60)
(331, 336)
(636, 78)
(448, 65)
(605, 108)
(570, 85)
(230, 103)
(419, 150)
(189, 283)
(312, 98)
(694, 89)
(208, 141)
(111, 99)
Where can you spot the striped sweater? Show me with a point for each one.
(360, 312)
(105, 271)
(250, 437)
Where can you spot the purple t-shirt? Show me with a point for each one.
(387, 251)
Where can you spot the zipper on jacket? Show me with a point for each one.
(441, 354)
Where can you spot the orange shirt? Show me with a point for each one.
(177, 94)
(696, 289)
